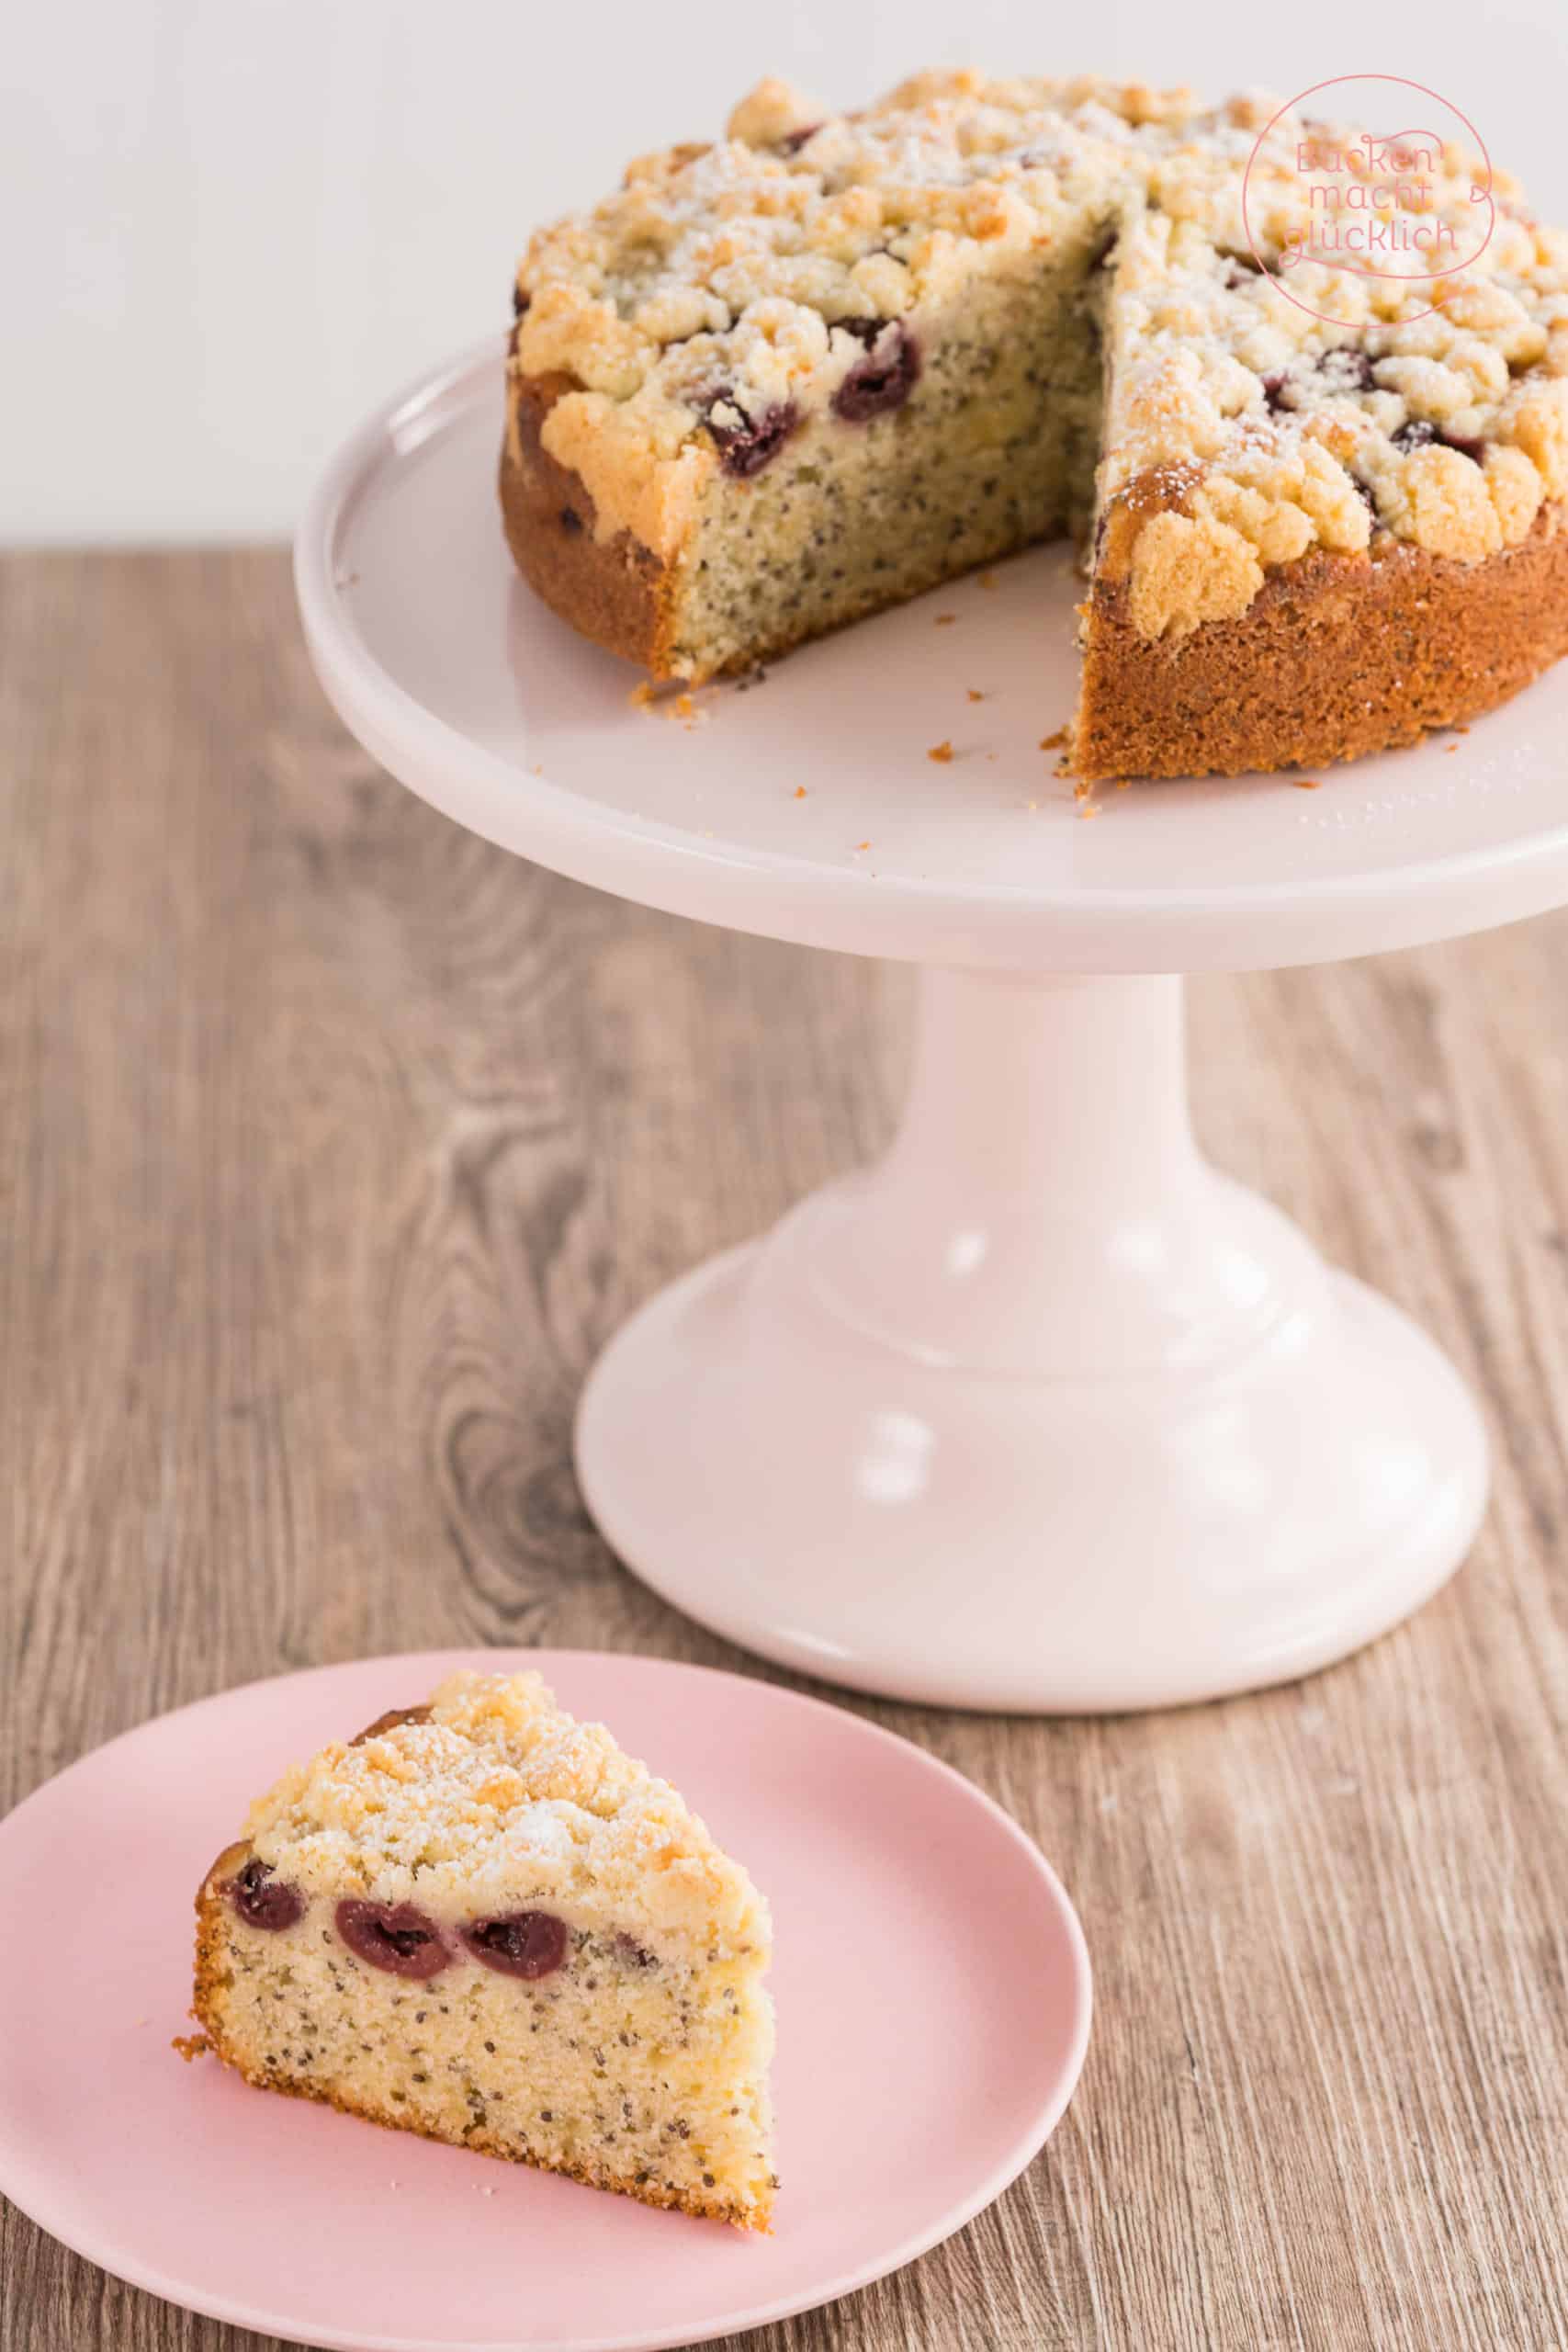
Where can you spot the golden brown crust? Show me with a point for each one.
(1336, 656)
(614, 591)
(209, 1973)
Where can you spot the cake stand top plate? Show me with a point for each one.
(449, 670)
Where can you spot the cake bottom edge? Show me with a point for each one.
(1336, 656)
(757, 2218)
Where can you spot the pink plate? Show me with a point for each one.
(933, 1987)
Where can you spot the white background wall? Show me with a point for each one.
(231, 226)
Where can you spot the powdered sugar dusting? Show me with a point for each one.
(750, 266)
(499, 1799)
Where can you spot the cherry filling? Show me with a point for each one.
(1348, 368)
(1418, 435)
(262, 1901)
(396, 1937)
(746, 444)
(519, 1943)
(884, 379)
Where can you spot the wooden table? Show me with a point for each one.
(335, 1143)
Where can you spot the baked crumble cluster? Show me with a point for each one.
(784, 380)
(481, 1921)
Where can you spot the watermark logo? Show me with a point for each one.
(1407, 207)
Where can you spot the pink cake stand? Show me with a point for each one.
(1041, 1411)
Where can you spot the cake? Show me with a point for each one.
(781, 381)
(480, 1921)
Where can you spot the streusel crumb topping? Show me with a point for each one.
(728, 293)
(498, 1798)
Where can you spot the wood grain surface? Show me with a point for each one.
(335, 1143)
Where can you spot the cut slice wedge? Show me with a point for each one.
(481, 1921)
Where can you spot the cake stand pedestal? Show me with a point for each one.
(1041, 1412)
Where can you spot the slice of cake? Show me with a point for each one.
(784, 380)
(480, 1921)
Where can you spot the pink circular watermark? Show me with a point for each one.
(1384, 205)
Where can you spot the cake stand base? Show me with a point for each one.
(1042, 1412)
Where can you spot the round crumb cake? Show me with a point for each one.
(783, 380)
